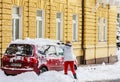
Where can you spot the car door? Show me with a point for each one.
(41, 55)
(52, 57)
(60, 57)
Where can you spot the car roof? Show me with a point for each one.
(36, 41)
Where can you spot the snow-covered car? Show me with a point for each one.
(32, 55)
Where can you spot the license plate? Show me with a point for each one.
(16, 64)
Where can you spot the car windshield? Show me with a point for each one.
(19, 49)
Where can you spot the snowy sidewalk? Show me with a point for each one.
(87, 73)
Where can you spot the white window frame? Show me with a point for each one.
(118, 19)
(102, 29)
(14, 17)
(38, 19)
(75, 31)
(59, 20)
(99, 29)
(105, 29)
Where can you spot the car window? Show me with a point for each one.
(51, 51)
(42, 49)
(19, 49)
(59, 51)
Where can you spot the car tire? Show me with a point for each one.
(6, 74)
(42, 70)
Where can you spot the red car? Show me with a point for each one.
(22, 57)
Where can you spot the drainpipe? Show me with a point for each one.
(1, 34)
(28, 35)
(82, 44)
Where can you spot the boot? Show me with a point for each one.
(65, 73)
(75, 76)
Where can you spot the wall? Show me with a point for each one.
(95, 51)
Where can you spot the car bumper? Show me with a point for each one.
(14, 71)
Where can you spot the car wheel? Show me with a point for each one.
(43, 69)
(6, 74)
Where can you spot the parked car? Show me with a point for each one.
(24, 57)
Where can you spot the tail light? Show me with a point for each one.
(33, 61)
(5, 60)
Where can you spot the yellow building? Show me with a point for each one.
(92, 30)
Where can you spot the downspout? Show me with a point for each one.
(1, 34)
(82, 44)
(108, 34)
(28, 35)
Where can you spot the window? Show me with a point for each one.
(51, 51)
(75, 27)
(40, 24)
(99, 29)
(19, 49)
(16, 23)
(118, 19)
(102, 30)
(118, 26)
(59, 51)
(59, 26)
(105, 29)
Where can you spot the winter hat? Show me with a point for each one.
(68, 43)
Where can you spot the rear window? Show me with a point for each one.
(19, 49)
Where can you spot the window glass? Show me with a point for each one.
(74, 32)
(19, 49)
(40, 24)
(99, 29)
(51, 49)
(59, 28)
(59, 51)
(17, 28)
(75, 28)
(105, 29)
(102, 29)
(74, 17)
(43, 49)
(16, 23)
(40, 29)
(59, 15)
(15, 10)
(40, 13)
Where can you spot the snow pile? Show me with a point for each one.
(30, 76)
(84, 73)
(36, 41)
(50, 76)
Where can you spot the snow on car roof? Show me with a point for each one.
(36, 41)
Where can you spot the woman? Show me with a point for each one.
(69, 58)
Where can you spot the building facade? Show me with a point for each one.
(91, 29)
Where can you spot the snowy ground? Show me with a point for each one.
(84, 73)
